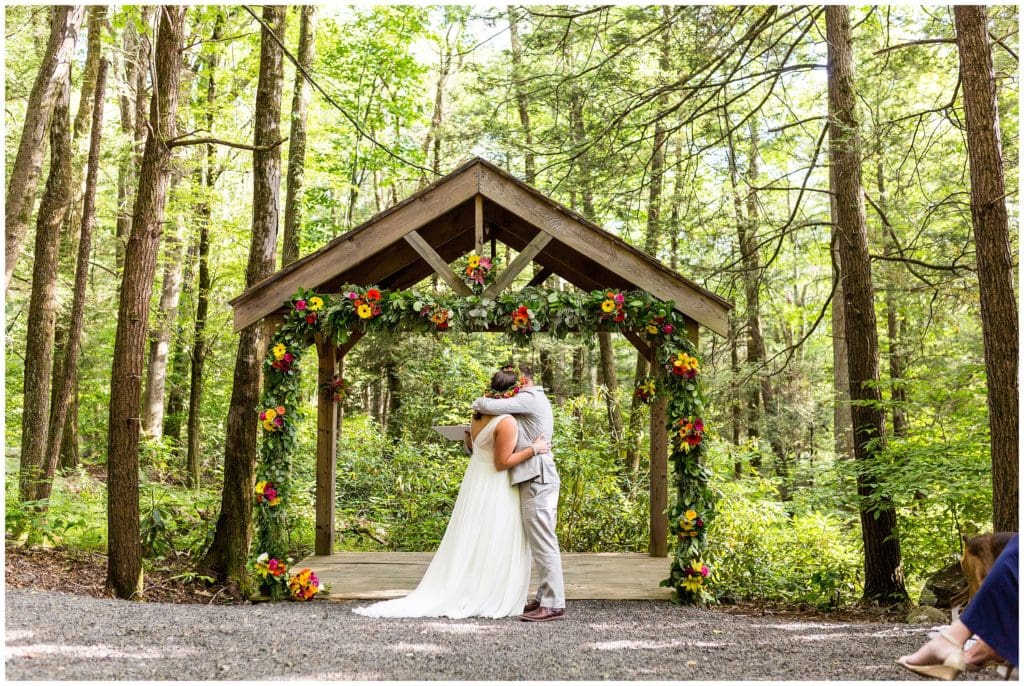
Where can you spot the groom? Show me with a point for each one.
(538, 490)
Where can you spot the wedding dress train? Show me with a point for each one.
(482, 566)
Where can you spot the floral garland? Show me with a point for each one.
(520, 314)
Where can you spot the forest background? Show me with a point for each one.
(723, 176)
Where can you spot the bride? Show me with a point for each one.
(482, 566)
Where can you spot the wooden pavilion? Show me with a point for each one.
(476, 206)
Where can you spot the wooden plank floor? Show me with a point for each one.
(588, 576)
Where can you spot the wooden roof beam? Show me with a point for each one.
(517, 265)
(437, 263)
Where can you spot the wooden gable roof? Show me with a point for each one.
(479, 202)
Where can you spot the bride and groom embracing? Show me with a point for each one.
(505, 514)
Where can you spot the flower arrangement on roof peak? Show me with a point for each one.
(476, 270)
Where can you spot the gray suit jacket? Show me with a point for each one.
(533, 413)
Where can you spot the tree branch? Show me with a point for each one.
(176, 142)
(923, 41)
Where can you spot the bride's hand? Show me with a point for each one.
(541, 445)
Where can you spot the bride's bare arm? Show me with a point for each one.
(505, 454)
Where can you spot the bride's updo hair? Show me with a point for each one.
(504, 379)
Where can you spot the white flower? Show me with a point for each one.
(263, 558)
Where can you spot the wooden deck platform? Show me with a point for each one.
(588, 576)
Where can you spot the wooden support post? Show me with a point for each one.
(478, 225)
(659, 462)
(437, 262)
(326, 442)
(517, 265)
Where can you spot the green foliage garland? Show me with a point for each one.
(519, 314)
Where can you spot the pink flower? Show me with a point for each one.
(668, 328)
(351, 295)
(288, 357)
(269, 493)
(300, 304)
(698, 425)
(485, 262)
(278, 421)
(619, 298)
(704, 571)
(263, 415)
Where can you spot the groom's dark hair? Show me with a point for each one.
(526, 370)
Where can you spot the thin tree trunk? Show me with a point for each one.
(54, 70)
(611, 385)
(80, 144)
(43, 301)
(883, 575)
(160, 337)
(124, 550)
(97, 16)
(229, 551)
(64, 384)
(297, 139)
(199, 344)
(995, 264)
(894, 325)
(522, 102)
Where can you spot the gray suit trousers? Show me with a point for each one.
(539, 504)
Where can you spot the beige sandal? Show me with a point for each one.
(948, 670)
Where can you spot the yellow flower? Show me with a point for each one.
(260, 486)
(474, 261)
(652, 329)
(270, 414)
(269, 426)
(608, 306)
(364, 311)
(279, 351)
(275, 501)
(691, 515)
(316, 304)
(693, 583)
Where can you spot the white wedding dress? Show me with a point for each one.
(482, 567)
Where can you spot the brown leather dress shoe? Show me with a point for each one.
(543, 614)
(531, 605)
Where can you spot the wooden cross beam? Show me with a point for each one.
(518, 264)
(541, 276)
(437, 263)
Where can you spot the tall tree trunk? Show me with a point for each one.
(160, 337)
(97, 17)
(229, 551)
(522, 102)
(132, 107)
(297, 139)
(70, 239)
(995, 266)
(883, 575)
(124, 549)
(894, 324)
(199, 344)
(54, 70)
(43, 306)
(610, 379)
(64, 397)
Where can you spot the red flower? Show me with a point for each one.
(668, 328)
(376, 309)
(311, 318)
(373, 295)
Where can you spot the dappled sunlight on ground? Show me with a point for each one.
(97, 652)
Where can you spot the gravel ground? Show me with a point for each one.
(63, 636)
